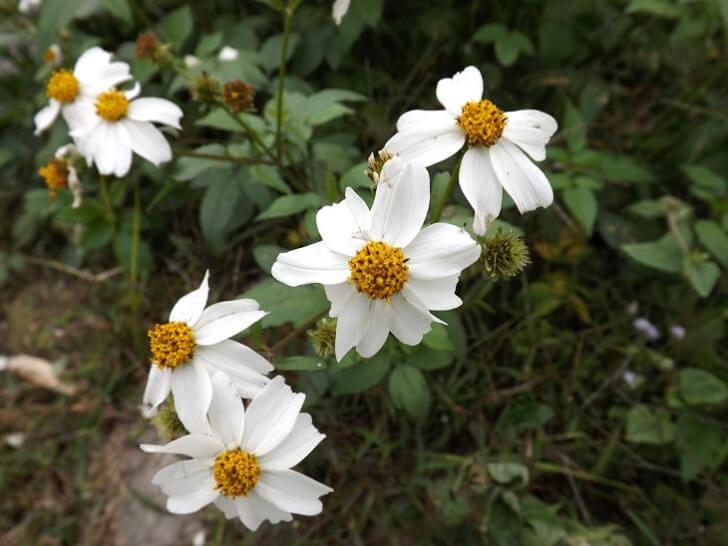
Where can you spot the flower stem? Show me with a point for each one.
(135, 234)
(287, 20)
(445, 197)
(106, 199)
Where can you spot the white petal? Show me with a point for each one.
(352, 324)
(427, 148)
(359, 210)
(377, 332)
(425, 121)
(226, 413)
(233, 358)
(530, 130)
(229, 506)
(198, 446)
(190, 306)
(80, 115)
(46, 116)
(105, 78)
(481, 187)
(148, 141)
(339, 230)
(247, 381)
(113, 142)
(435, 294)
(254, 510)
(183, 477)
(292, 491)
(525, 182)
(339, 9)
(157, 389)
(304, 437)
(192, 502)
(463, 87)
(270, 417)
(400, 204)
(314, 263)
(155, 109)
(225, 308)
(441, 250)
(133, 93)
(408, 324)
(226, 326)
(410, 296)
(192, 390)
(90, 62)
(338, 295)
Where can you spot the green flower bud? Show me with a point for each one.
(505, 255)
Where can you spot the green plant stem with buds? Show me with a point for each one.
(438, 207)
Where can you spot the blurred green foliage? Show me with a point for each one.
(540, 416)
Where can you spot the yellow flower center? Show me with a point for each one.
(236, 472)
(172, 344)
(49, 55)
(379, 270)
(483, 122)
(55, 174)
(63, 86)
(112, 105)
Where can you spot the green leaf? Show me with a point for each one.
(505, 472)
(288, 205)
(702, 387)
(219, 207)
(660, 8)
(425, 358)
(265, 256)
(507, 49)
(699, 445)
(269, 176)
(362, 376)
(176, 26)
(582, 203)
(706, 184)
(701, 274)
(189, 168)
(219, 119)
(55, 14)
(409, 391)
(300, 363)
(664, 254)
(492, 32)
(574, 127)
(645, 426)
(298, 305)
(711, 236)
(120, 9)
(437, 338)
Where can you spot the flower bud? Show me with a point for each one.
(376, 163)
(205, 89)
(505, 255)
(167, 422)
(323, 338)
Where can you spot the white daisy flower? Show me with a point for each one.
(382, 273)
(193, 345)
(228, 53)
(119, 123)
(339, 9)
(69, 92)
(496, 141)
(243, 465)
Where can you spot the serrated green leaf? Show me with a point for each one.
(711, 236)
(582, 203)
(176, 26)
(702, 275)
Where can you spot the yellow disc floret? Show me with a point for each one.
(55, 174)
(112, 105)
(172, 344)
(236, 472)
(63, 86)
(483, 122)
(379, 270)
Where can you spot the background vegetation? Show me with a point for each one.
(540, 417)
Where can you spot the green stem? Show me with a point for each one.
(287, 20)
(231, 158)
(440, 205)
(106, 199)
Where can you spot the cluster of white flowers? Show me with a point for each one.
(382, 272)
(239, 458)
(105, 122)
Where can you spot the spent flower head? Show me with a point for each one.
(505, 254)
(205, 89)
(237, 95)
(323, 338)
